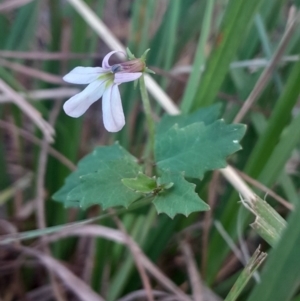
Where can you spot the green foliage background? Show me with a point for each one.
(228, 37)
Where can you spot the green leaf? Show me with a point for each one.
(181, 198)
(104, 187)
(197, 148)
(62, 194)
(206, 115)
(141, 183)
(93, 162)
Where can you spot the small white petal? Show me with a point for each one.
(105, 62)
(79, 103)
(83, 75)
(126, 77)
(113, 115)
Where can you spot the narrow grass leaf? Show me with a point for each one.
(281, 116)
(199, 61)
(238, 17)
(282, 152)
(284, 259)
(255, 261)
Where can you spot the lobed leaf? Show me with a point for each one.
(104, 187)
(98, 160)
(197, 148)
(181, 198)
(206, 115)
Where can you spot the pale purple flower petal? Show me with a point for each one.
(126, 77)
(103, 82)
(113, 115)
(83, 75)
(79, 103)
(105, 62)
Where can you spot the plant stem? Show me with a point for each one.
(150, 122)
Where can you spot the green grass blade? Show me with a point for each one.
(4, 25)
(255, 261)
(125, 268)
(282, 152)
(147, 13)
(280, 117)
(268, 223)
(285, 181)
(190, 26)
(267, 141)
(237, 19)
(269, 11)
(199, 61)
(139, 233)
(281, 275)
(289, 188)
(171, 34)
(22, 31)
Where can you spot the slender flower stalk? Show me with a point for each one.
(103, 82)
(150, 122)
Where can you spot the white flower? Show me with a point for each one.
(102, 82)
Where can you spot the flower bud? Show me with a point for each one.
(132, 66)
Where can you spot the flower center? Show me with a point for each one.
(116, 68)
(107, 78)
